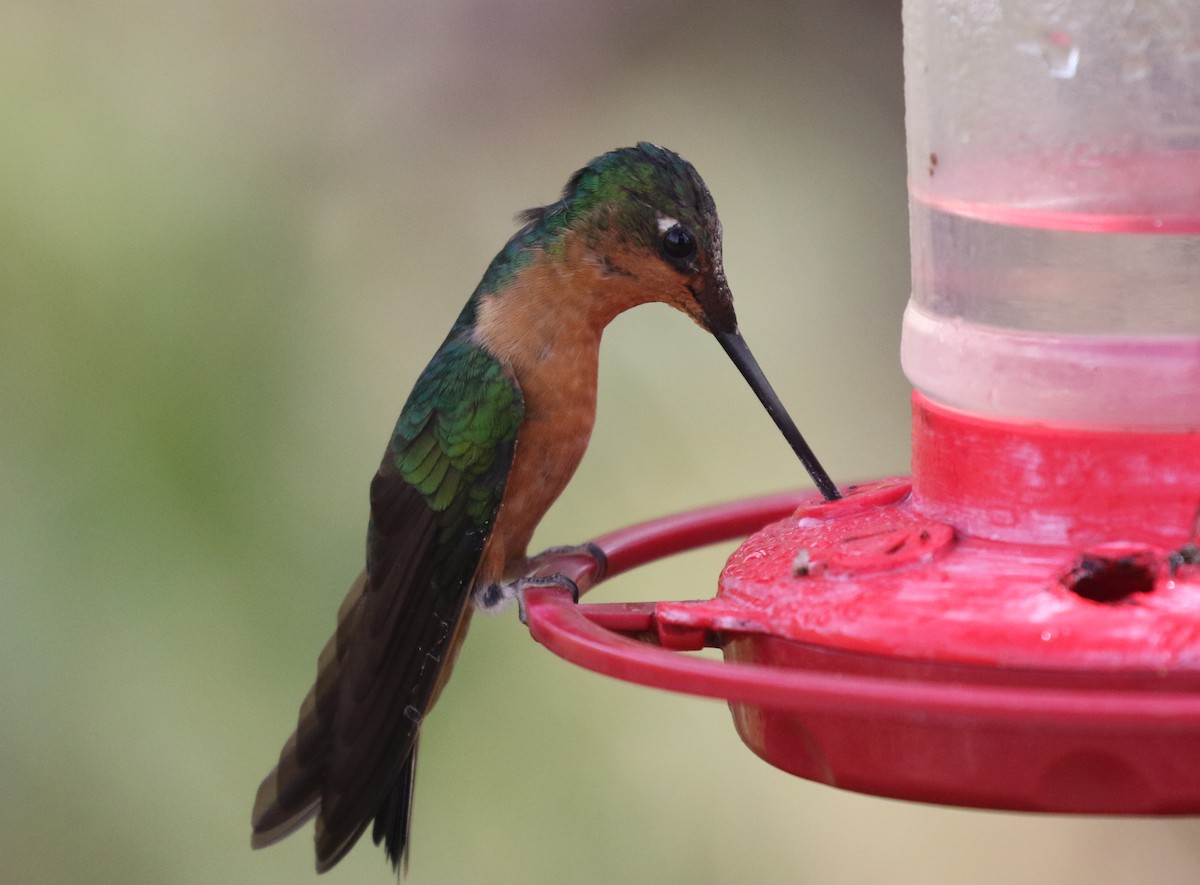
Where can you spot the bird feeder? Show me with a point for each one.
(1017, 625)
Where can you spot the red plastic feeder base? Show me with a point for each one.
(1017, 628)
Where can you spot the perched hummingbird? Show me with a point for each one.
(489, 437)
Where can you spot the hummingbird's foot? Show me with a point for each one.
(495, 597)
(589, 549)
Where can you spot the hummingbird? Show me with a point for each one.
(489, 437)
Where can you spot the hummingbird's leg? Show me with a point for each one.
(494, 597)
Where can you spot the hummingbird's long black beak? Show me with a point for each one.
(736, 347)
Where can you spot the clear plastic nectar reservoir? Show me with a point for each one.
(1054, 181)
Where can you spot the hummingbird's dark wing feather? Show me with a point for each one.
(433, 503)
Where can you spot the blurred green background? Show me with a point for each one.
(232, 235)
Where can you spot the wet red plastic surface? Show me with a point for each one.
(910, 646)
(888, 581)
(1032, 483)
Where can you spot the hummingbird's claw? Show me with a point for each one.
(561, 581)
(588, 549)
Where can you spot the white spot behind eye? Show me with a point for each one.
(665, 223)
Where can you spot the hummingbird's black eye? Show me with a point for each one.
(678, 243)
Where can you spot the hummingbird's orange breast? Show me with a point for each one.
(546, 326)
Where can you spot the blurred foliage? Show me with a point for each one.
(231, 236)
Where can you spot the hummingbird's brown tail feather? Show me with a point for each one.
(291, 794)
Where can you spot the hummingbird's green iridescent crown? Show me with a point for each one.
(636, 183)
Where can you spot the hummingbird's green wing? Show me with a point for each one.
(433, 503)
